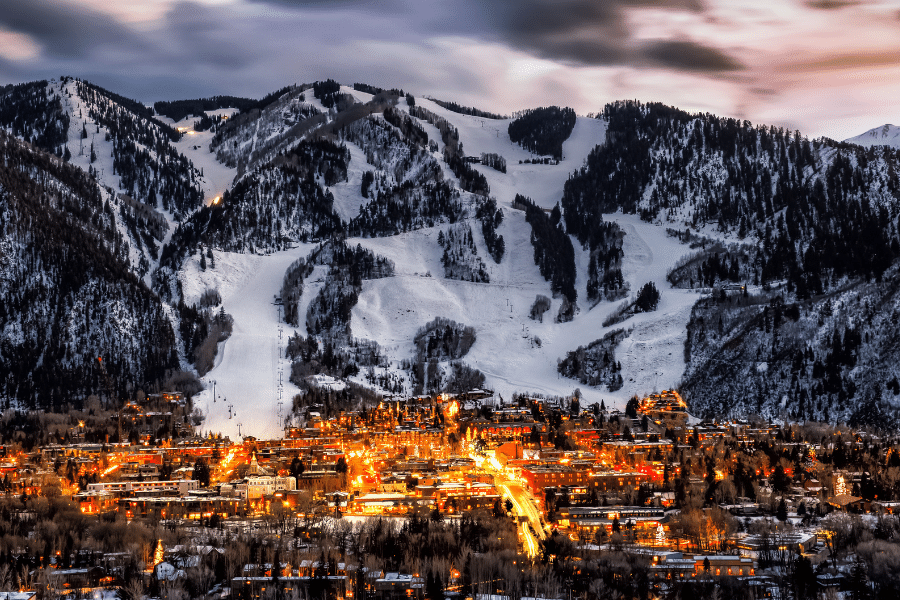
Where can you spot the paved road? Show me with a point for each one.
(532, 529)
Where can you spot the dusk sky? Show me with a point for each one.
(826, 67)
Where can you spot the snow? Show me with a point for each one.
(542, 183)
(348, 197)
(391, 310)
(361, 97)
(79, 121)
(195, 146)
(250, 363)
(886, 135)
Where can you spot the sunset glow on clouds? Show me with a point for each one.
(826, 67)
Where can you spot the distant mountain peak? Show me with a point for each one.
(885, 135)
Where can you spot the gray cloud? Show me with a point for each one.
(832, 4)
(580, 32)
(65, 30)
(685, 55)
(206, 36)
(591, 33)
(249, 49)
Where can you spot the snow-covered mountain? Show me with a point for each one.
(327, 230)
(886, 135)
(115, 181)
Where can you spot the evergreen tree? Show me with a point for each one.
(781, 512)
(647, 298)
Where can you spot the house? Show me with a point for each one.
(398, 585)
(76, 579)
(328, 587)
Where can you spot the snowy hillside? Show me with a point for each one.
(320, 234)
(886, 135)
(515, 353)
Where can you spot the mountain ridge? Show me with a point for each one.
(793, 222)
(885, 135)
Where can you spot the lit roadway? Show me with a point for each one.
(522, 500)
(524, 506)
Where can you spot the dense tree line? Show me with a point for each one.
(411, 130)
(647, 299)
(491, 217)
(469, 178)
(374, 90)
(308, 357)
(326, 91)
(713, 266)
(540, 305)
(395, 145)
(553, 251)
(407, 207)
(449, 133)
(258, 135)
(819, 210)
(436, 366)
(132, 106)
(596, 364)
(269, 209)
(543, 130)
(605, 279)
(494, 161)
(205, 122)
(444, 339)
(774, 354)
(467, 110)
(202, 329)
(368, 178)
(150, 168)
(178, 110)
(67, 294)
(329, 312)
(292, 289)
(818, 220)
(460, 257)
(32, 112)
(439, 341)
(407, 192)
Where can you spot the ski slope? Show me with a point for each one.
(391, 310)
(251, 363)
(515, 353)
(216, 177)
(542, 183)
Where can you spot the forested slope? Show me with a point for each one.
(817, 222)
(67, 295)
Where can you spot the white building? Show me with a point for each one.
(254, 488)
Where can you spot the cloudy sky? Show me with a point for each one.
(826, 67)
